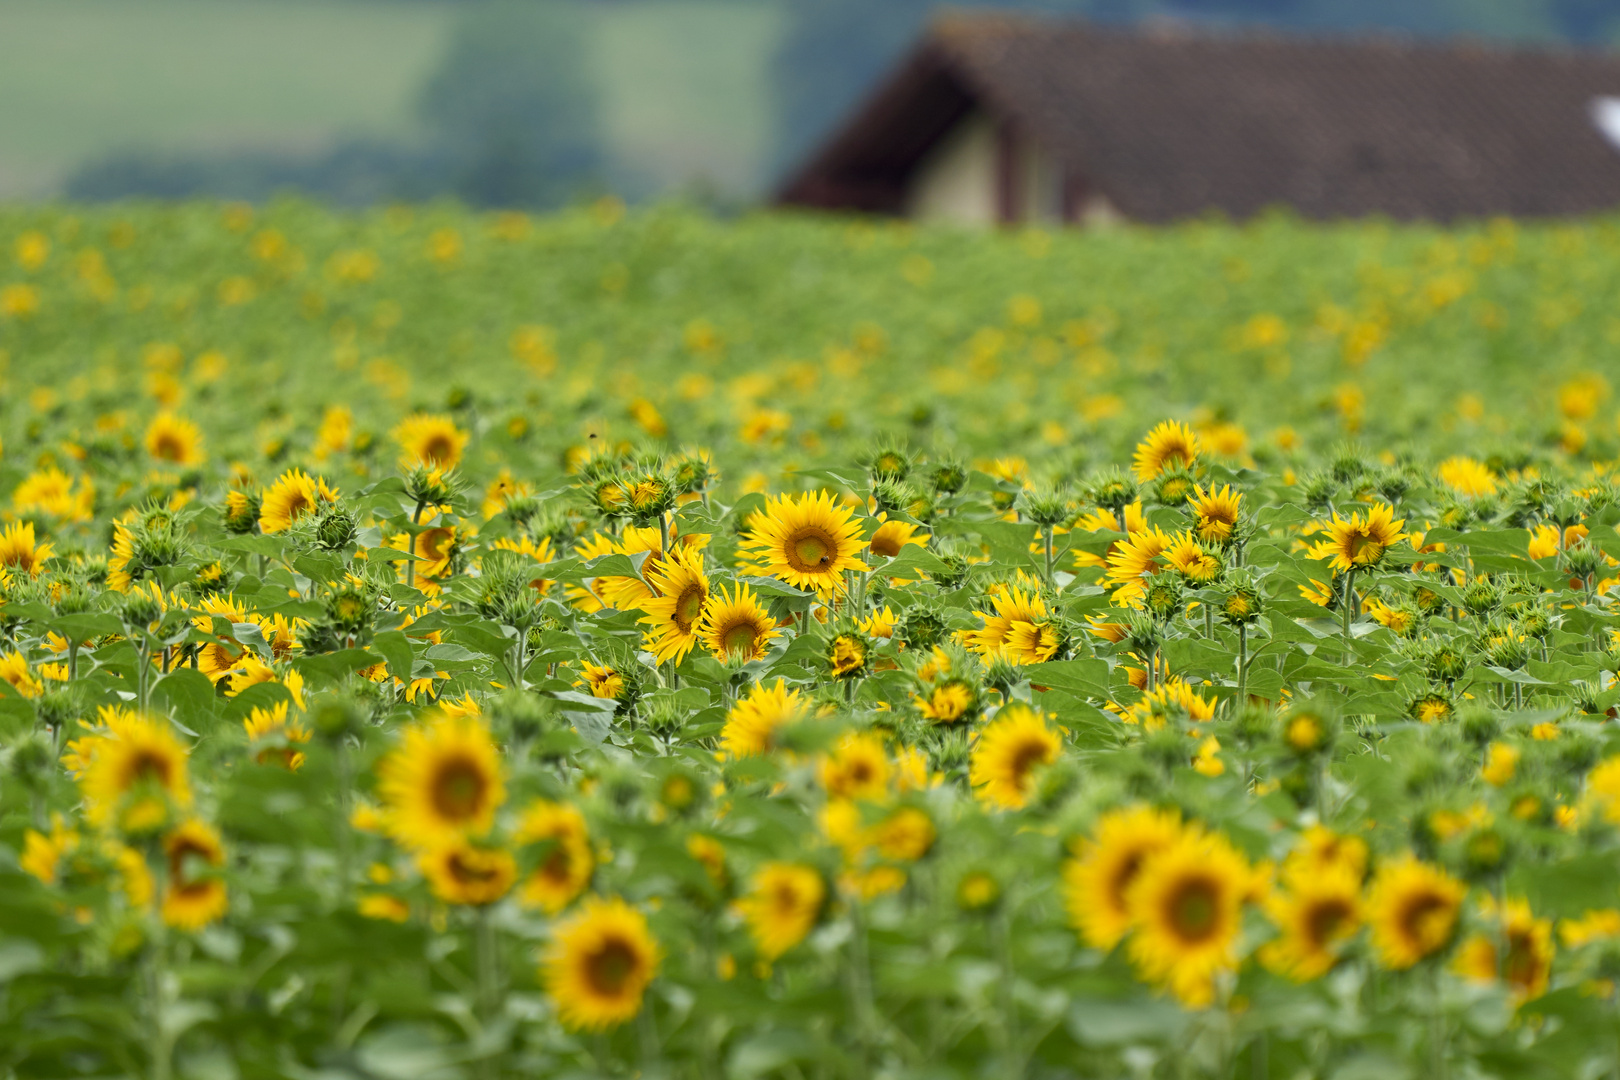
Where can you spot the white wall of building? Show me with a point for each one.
(956, 181)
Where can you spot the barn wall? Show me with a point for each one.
(956, 181)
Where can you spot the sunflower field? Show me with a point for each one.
(440, 645)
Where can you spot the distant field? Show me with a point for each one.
(80, 78)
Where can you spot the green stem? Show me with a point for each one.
(1243, 665)
(1346, 614)
(1049, 530)
(410, 548)
(860, 984)
(1008, 1027)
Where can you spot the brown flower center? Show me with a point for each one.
(458, 790)
(610, 967)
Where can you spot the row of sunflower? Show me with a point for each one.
(927, 767)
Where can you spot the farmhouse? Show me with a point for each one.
(992, 119)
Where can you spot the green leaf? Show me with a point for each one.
(395, 648)
(1085, 677)
(190, 695)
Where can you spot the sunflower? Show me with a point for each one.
(858, 768)
(1171, 443)
(194, 895)
(735, 626)
(846, 656)
(599, 964)
(174, 440)
(134, 776)
(783, 903)
(806, 540)
(1096, 883)
(464, 873)
(44, 854)
(681, 589)
(18, 551)
(294, 494)
(949, 702)
(756, 722)
(431, 441)
(443, 783)
(1360, 541)
(1021, 628)
(1215, 513)
(1174, 698)
(1467, 477)
(275, 736)
(567, 861)
(14, 670)
(1322, 851)
(604, 681)
(1412, 909)
(1008, 753)
(51, 492)
(1133, 559)
(540, 551)
(892, 537)
(1315, 915)
(1529, 951)
(1186, 906)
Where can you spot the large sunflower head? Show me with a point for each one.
(429, 440)
(1096, 883)
(858, 768)
(1009, 753)
(1170, 444)
(174, 440)
(194, 894)
(465, 873)
(566, 859)
(783, 903)
(681, 590)
(135, 777)
(806, 540)
(1314, 917)
(735, 626)
(294, 494)
(1186, 907)
(1412, 909)
(756, 723)
(1215, 513)
(1529, 955)
(599, 964)
(443, 783)
(18, 550)
(1361, 541)
(1020, 628)
(1134, 559)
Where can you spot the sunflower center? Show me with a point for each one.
(433, 543)
(688, 606)
(1193, 912)
(1522, 967)
(1024, 758)
(887, 546)
(739, 640)
(610, 967)
(811, 551)
(438, 449)
(458, 790)
(556, 866)
(1423, 921)
(1323, 921)
(297, 505)
(146, 765)
(471, 872)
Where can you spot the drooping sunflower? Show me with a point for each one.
(599, 964)
(673, 614)
(135, 776)
(805, 540)
(443, 783)
(1096, 883)
(783, 903)
(755, 723)
(1186, 906)
(1170, 443)
(1315, 915)
(460, 872)
(1132, 560)
(1021, 628)
(1529, 951)
(735, 626)
(274, 738)
(430, 440)
(1412, 909)
(174, 440)
(1360, 541)
(1174, 698)
(194, 894)
(1215, 513)
(567, 861)
(18, 550)
(294, 494)
(1008, 753)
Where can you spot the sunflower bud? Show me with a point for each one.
(1045, 508)
(140, 612)
(430, 486)
(691, 472)
(1479, 724)
(1174, 486)
(1481, 597)
(1113, 491)
(1428, 601)
(32, 760)
(1142, 634)
(1241, 604)
(1445, 662)
(336, 529)
(1505, 650)
(1536, 624)
(241, 511)
(894, 496)
(1393, 484)
(1309, 730)
(977, 891)
(1317, 491)
(1347, 464)
(1165, 597)
(948, 477)
(888, 462)
(1583, 560)
(921, 629)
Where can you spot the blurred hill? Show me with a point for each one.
(518, 102)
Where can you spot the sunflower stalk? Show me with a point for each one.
(1346, 608)
(860, 985)
(487, 959)
(1243, 664)
(1007, 1006)
(1049, 538)
(159, 1044)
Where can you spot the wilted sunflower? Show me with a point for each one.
(194, 894)
(1360, 541)
(135, 776)
(1314, 916)
(430, 440)
(443, 783)
(1529, 951)
(464, 873)
(1412, 909)
(1215, 513)
(1008, 753)
(755, 723)
(682, 589)
(735, 626)
(1096, 883)
(599, 964)
(174, 440)
(1170, 443)
(783, 903)
(18, 551)
(274, 737)
(566, 864)
(806, 540)
(294, 494)
(1186, 907)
